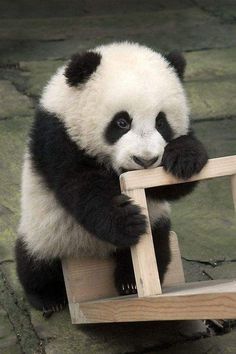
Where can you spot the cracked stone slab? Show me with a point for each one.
(8, 339)
(212, 99)
(213, 345)
(13, 134)
(35, 10)
(205, 220)
(225, 10)
(210, 82)
(165, 30)
(37, 73)
(105, 338)
(12, 102)
(19, 318)
(226, 270)
(211, 64)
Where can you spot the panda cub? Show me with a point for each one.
(115, 108)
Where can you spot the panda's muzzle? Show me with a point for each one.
(145, 162)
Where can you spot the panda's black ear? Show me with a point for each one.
(177, 60)
(80, 67)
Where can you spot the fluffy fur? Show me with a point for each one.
(118, 107)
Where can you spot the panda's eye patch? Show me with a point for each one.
(163, 127)
(118, 126)
(160, 120)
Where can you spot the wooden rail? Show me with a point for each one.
(219, 167)
(133, 184)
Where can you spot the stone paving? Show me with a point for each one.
(34, 41)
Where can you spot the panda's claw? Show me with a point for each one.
(47, 313)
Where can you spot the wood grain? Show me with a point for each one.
(222, 166)
(201, 300)
(89, 278)
(143, 254)
(233, 186)
(175, 272)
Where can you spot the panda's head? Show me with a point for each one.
(121, 103)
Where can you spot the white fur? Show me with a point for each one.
(130, 78)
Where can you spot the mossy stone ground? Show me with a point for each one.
(34, 41)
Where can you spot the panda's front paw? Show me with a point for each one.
(128, 222)
(184, 157)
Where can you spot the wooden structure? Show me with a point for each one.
(90, 285)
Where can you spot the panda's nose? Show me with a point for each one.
(145, 162)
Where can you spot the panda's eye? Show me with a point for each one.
(123, 123)
(119, 125)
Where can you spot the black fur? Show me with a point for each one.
(124, 273)
(160, 234)
(164, 127)
(184, 156)
(176, 59)
(81, 67)
(113, 132)
(42, 281)
(171, 192)
(84, 188)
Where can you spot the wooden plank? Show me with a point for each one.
(175, 272)
(202, 300)
(143, 254)
(81, 285)
(89, 278)
(222, 166)
(233, 186)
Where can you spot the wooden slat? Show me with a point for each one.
(89, 278)
(233, 185)
(222, 166)
(202, 300)
(175, 272)
(143, 254)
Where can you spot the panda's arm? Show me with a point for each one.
(183, 157)
(81, 185)
(173, 192)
